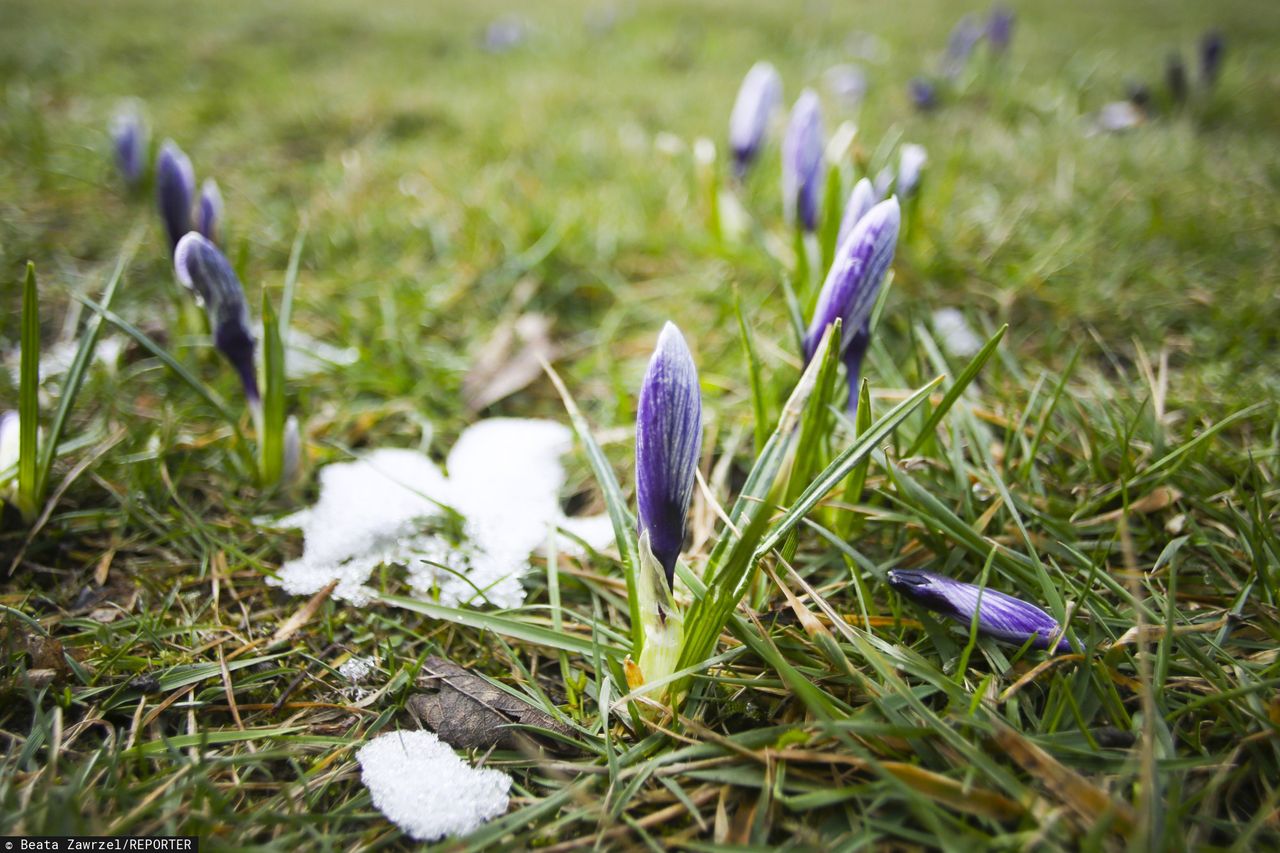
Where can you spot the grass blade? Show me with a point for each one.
(271, 439)
(29, 399)
(957, 388)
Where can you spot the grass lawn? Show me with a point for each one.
(1115, 460)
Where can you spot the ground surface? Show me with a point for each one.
(446, 188)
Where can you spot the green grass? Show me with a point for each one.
(1114, 460)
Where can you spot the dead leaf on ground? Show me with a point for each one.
(1159, 498)
(468, 712)
(509, 361)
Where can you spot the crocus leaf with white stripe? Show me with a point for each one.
(999, 615)
(209, 212)
(205, 271)
(668, 441)
(758, 97)
(802, 159)
(175, 191)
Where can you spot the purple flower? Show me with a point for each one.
(758, 97)
(999, 615)
(668, 441)
(209, 213)
(1212, 45)
(1000, 29)
(923, 93)
(802, 161)
(960, 44)
(861, 200)
(205, 271)
(175, 189)
(854, 279)
(129, 138)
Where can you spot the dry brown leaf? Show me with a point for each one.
(1149, 633)
(1088, 801)
(1160, 498)
(509, 361)
(304, 614)
(468, 712)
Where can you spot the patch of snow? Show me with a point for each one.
(9, 441)
(504, 481)
(356, 670)
(57, 359)
(955, 333)
(422, 787)
(306, 356)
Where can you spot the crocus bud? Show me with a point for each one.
(960, 44)
(884, 180)
(129, 139)
(1175, 77)
(205, 271)
(848, 83)
(758, 97)
(861, 262)
(910, 161)
(861, 200)
(802, 161)
(668, 440)
(924, 95)
(1212, 45)
(175, 190)
(999, 615)
(209, 213)
(1000, 29)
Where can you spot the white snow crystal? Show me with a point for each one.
(356, 670)
(504, 480)
(425, 789)
(957, 337)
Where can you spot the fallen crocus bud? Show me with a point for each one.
(209, 213)
(802, 149)
(999, 615)
(202, 269)
(175, 190)
(758, 97)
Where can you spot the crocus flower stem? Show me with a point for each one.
(999, 615)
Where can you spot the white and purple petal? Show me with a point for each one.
(802, 162)
(668, 441)
(175, 191)
(129, 139)
(758, 97)
(860, 265)
(206, 272)
(209, 212)
(861, 200)
(999, 615)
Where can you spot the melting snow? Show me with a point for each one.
(356, 670)
(425, 789)
(386, 508)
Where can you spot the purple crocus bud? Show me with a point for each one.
(175, 189)
(861, 262)
(129, 139)
(884, 180)
(861, 200)
(209, 213)
(924, 95)
(960, 44)
(911, 161)
(802, 161)
(668, 441)
(758, 97)
(999, 615)
(204, 271)
(1212, 45)
(1000, 29)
